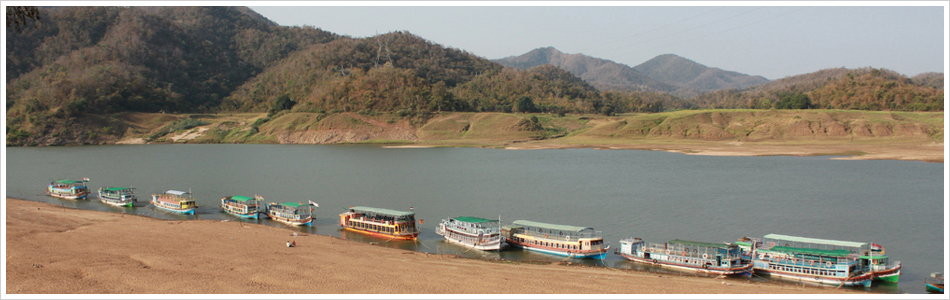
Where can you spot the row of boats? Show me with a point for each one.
(800, 259)
(182, 202)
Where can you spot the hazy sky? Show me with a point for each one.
(772, 41)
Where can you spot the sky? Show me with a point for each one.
(756, 38)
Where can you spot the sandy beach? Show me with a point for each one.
(57, 250)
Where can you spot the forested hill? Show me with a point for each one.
(839, 88)
(110, 59)
(69, 71)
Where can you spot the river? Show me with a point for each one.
(657, 196)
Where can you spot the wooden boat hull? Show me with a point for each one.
(186, 211)
(117, 202)
(243, 215)
(69, 196)
(743, 269)
(891, 275)
(411, 236)
(863, 280)
(597, 254)
(934, 288)
(294, 222)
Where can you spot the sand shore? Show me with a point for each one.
(57, 250)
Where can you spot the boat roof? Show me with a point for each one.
(116, 189)
(810, 251)
(550, 226)
(241, 198)
(873, 256)
(293, 204)
(381, 211)
(175, 192)
(814, 241)
(474, 219)
(702, 244)
(68, 181)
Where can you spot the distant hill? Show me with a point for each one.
(603, 74)
(838, 88)
(665, 73)
(689, 75)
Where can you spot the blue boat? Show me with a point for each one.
(563, 240)
(712, 258)
(241, 206)
(935, 283)
(812, 260)
(68, 189)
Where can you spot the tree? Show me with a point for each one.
(794, 101)
(18, 16)
(283, 103)
(525, 104)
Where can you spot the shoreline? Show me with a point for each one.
(58, 250)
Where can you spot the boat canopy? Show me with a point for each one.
(117, 189)
(174, 192)
(815, 241)
(241, 198)
(67, 181)
(702, 244)
(380, 211)
(552, 226)
(810, 251)
(474, 220)
(293, 204)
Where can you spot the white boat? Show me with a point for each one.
(117, 196)
(478, 233)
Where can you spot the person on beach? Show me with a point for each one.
(294, 244)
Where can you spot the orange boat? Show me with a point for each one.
(381, 222)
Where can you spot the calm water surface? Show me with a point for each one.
(656, 196)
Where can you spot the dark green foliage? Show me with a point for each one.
(793, 101)
(283, 103)
(525, 105)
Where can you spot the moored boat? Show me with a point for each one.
(564, 240)
(812, 260)
(68, 189)
(478, 233)
(934, 284)
(882, 269)
(241, 206)
(381, 222)
(713, 258)
(293, 213)
(117, 196)
(175, 201)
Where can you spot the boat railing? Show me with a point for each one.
(572, 236)
(890, 265)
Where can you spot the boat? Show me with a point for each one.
(712, 258)
(175, 201)
(292, 213)
(68, 189)
(241, 206)
(380, 222)
(812, 260)
(117, 196)
(564, 240)
(477, 233)
(934, 283)
(883, 270)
